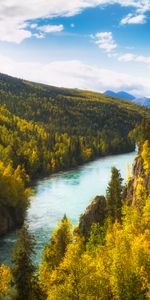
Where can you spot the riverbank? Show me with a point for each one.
(67, 192)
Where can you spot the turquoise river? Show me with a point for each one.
(65, 193)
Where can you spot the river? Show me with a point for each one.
(65, 193)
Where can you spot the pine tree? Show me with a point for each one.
(23, 270)
(114, 194)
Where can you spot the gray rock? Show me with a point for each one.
(95, 213)
(138, 171)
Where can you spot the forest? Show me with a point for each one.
(45, 129)
(112, 261)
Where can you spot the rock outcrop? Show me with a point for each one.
(138, 172)
(95, 213)
(10, 218)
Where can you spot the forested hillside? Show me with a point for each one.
(63, 128)
(64, 110)
(45, 129)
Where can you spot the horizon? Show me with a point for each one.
(95, 45)
(82, 90)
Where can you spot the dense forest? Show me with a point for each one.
(110, 261)
(45, 129)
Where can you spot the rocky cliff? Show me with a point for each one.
(95, 213)
(138, 173)
(97, 210)
(10, 218)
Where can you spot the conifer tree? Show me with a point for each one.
(23, 270)
(114, 194)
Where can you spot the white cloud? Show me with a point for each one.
(13, 31)
(132, 19)
(51, 28)
(16, 13)
(129, 57)
(33, 26)
(39, 35)
(75, 74)
(105, 41)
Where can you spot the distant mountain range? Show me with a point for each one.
(143, 101)
(120, 94)
(123, 95)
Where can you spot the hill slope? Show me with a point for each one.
(63, 127)
(66, 110)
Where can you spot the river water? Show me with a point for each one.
(65, 193)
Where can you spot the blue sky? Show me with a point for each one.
(87, 44)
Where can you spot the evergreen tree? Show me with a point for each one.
(23, 270)
(114, 194)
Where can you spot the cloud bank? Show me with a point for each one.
(75, 74)
(129, 57)
(16, 15)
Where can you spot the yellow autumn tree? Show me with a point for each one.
(117, 267)
(5, 277)
(55, 251)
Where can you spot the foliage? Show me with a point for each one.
(115, 264)
(5, 277)
(48, 129)
(44, 129)
(114, 195)
(118, 268)
(12, 188)
(23, 271)
(97, 235)
(55, 251)
(141, 132)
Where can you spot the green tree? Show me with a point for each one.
(114, 194)
(23, 270)
(97, 235)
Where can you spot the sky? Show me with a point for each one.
(87, 44)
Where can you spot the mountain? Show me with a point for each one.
(142, 101)
(121, 94)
